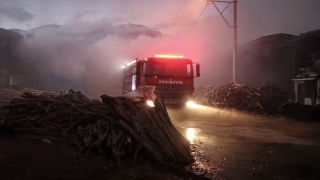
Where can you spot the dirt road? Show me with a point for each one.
(235, 145)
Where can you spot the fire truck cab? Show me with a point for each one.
(173, 77)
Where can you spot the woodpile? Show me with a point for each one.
(260, 100)
(116, 128)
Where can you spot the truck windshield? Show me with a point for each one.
(169, 69)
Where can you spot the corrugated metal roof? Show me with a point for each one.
(308, 75)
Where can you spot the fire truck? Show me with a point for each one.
(172, 75)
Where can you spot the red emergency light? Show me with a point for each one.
(167, 56)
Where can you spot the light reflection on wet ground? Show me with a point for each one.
(190, 122)
(201, 165)
(190, 133)
(232, 143)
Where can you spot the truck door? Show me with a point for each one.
(134, 78)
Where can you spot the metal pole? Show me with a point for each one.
(235, 26)
(235, 50)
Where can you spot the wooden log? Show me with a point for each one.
(164, 135)
(80, 133)
(151, 134)
(124, 116)
(115, 127)
(101, 139)
(176, 140)
(5, 128)
(142, 136)
(109, 140)
(108, 100)
(152, 152)
(54, 125)
(49, 117)
(70, 104)
(88, 138)
(128, 144)
(116, 146)
(38, 132)
(29, 95)
(94, 130)
(14, 105)
(14, 119)
(154, 133)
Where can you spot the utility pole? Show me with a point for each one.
(235, 26)
(235, 42)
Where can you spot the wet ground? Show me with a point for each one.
(235, 145)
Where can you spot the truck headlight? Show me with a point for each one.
(191, 104)
(150, 103)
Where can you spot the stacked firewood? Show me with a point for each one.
(261, 100)
(115, 128)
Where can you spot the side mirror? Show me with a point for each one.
(198, 70)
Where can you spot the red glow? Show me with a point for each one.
(167, 56)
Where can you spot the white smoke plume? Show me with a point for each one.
(95, 49)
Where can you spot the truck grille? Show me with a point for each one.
(173, 90)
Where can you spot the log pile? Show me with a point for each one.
(261, 100)
(116, 128)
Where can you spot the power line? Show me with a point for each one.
(196, 21)
(235, 26)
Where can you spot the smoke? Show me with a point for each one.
(95, 49)
(16, 14)
(261, 18)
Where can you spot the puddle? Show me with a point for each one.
(201, 165)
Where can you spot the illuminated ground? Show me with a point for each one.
(234, 145)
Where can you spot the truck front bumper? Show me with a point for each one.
(174, 100)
